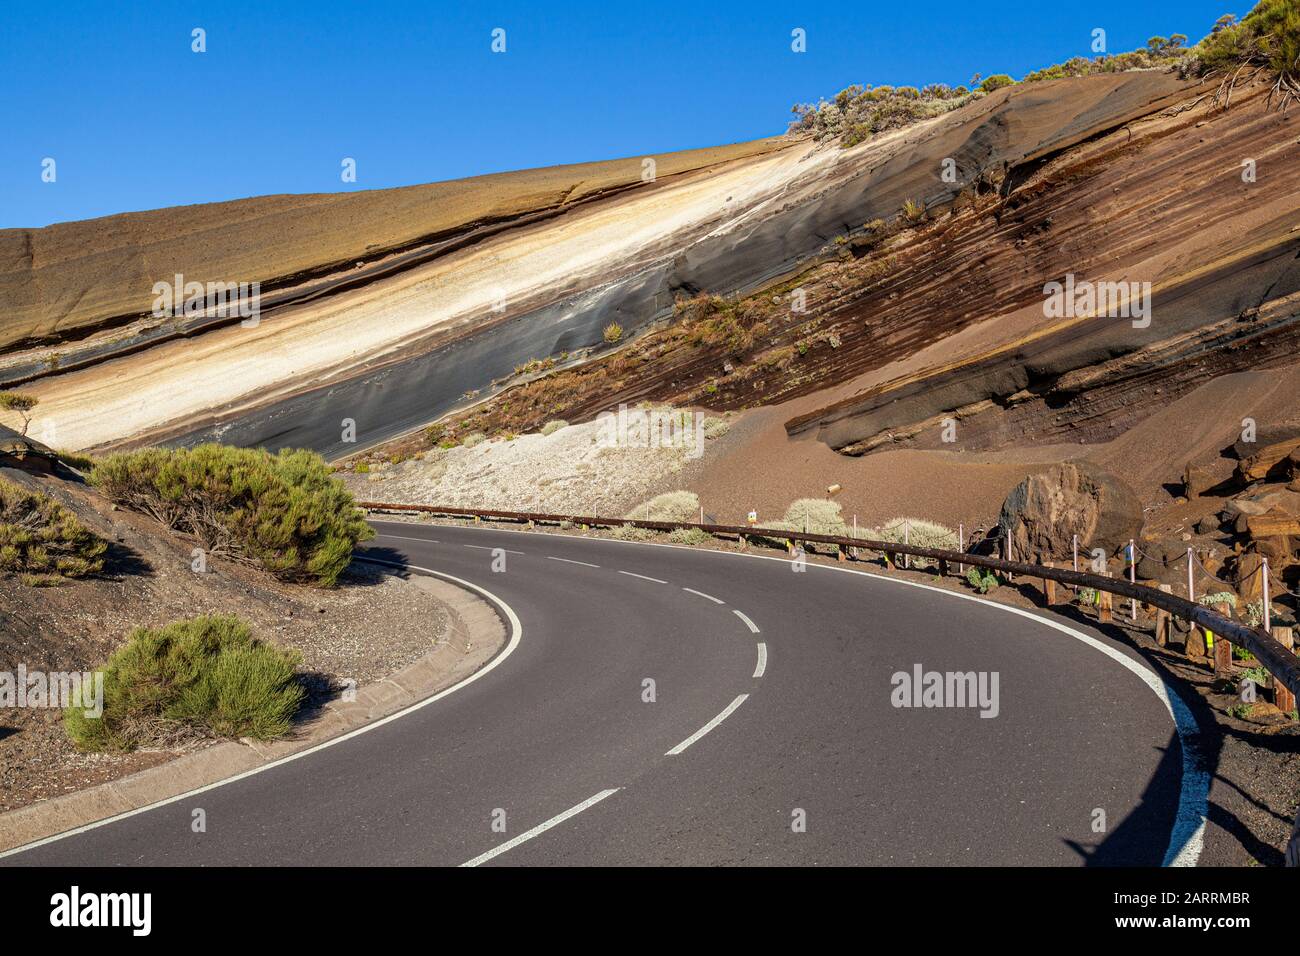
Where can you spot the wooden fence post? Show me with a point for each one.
(1103, 606)
(1222, 657)
(889, 560)
(1283, 699)
(1049, 586)
(943, 568)
(1162, 619)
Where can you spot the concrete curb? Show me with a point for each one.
(476, 633)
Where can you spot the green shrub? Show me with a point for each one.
(982, 580)
(715, 427)
(553, 426)
(677, 506)
(814, 515)
(1255, 615)
(19, 402)
(624, 533)
(917, 532)
(206, 676)
(1257, 675)
(1218, 597)
(284, 512)
(472, 439)
(996, 82)
(1269, 34)
(40, 539)
(691, 536)
(613, 332)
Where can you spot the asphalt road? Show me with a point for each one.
(788, 675)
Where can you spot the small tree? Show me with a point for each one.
(21, 403)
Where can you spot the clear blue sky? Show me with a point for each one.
(412, 91)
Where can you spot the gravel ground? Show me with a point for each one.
(572, 471)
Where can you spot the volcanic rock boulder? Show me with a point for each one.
(1248, 580)
(1196, 481)
(1270, 455)
(1044, 512)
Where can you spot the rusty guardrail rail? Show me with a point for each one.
(1277, 659)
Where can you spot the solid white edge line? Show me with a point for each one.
(541, 828)
(1186, 840)
(727, 712)
(643, 577)
(706, 596)
(748, 623)
(586, 564)
(516, 633)
(762, 660)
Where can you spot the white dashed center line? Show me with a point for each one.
(482, 547)
(709, 597)
(403, 537)
(585, 564)
(631, 574)
(748, 623)
(541, 827)
(707, 727)
(762, 660)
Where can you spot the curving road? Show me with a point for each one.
(772, 707)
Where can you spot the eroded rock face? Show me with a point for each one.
(1045, 511)
(1270, 455)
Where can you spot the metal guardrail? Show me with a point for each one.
(1278, 660)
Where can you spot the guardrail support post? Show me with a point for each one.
(943, 568)
(744, 541)
(1222, 647)
(1049, 588)
(889, 560)
(1162, 619)
(1103, 606)
(843, 554)
(1283, 699)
